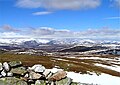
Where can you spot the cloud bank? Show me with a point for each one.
(9, 28)
(58, 4)
(117, 3)
(47, 32)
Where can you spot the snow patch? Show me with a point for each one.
(103, 79)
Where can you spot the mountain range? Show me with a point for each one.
(64, 41)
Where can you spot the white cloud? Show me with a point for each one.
(115, 3)
(47, 32)
(7, 27)
(42, 13)
(29, 3)
(11, 35)
(59, 4)
(112, 18)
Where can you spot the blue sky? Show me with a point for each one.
(59, 15)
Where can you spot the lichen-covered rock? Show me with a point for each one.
(66, 81)
(75, 83)
(1, 67)
(12, 81)
(33, 75)
(40, 82)
(38, 68)
(19, 70)
(15, 63)
(6, 66)
(58, 76)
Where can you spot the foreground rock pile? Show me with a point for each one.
(14, 73)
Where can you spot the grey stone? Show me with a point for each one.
(66, 81)
(33, 75)
(0, 75)
(3, 73)
(75, 83)
(38, 68)
(32, 84)
(49, 75)
(12, 81)
(26, 75)
(6, 66)
(31, 81)
(58, 76)
(19, 70)
(40, 82)
(15, 63)
(52, 83)
(46, 72)
(9, 74)
(1, 67)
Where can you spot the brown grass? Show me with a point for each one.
(84, 66)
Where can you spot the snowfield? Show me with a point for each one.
(103, 79)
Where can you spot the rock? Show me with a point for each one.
(40, 82)
(26, 75)
(9, 74)
(19, 70)
(52, 83)
(31, 81)
(54, 70)
(49, 75)
(1, 67)
(58, 76)
(66, 81)
(75, 83)
(46, 72)
(12, 81)
(3, 73)
(33, 75)
(38, 68)
(15, 63)
(0, 75)
(21, 83)
(6, 66)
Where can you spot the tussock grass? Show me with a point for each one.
(84, 66)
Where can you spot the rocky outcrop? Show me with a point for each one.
(13, 73)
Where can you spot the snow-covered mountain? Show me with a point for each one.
(22, 41)
(64, 41)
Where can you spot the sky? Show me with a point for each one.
(60, 18)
